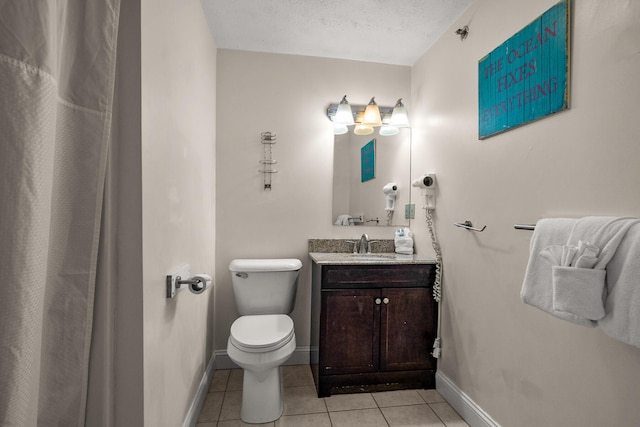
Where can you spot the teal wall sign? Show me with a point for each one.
(526, 77)
(368, 161)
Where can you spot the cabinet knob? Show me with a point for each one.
(378, 301)
(385, 300)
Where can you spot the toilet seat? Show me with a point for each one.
(261, 333)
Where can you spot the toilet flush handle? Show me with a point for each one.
(242, 275)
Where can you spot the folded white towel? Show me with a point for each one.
(579, 291)
(545, 250)
(622, 305)
(566, 271)
(579, 285)
(404, 250)
(586, 256)
(403, 245)
(603, 233)
(343, 220)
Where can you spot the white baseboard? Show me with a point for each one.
(201, 394)
(467, 408)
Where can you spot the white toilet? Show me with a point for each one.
(263, 337)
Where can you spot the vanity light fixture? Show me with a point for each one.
(367, 117)
(399, 116)
(339, 129)
(361, 129)
(399, 119)
(344, 115)
(372, 114)
(370, 119)
(389, 131)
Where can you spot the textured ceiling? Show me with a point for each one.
(385, 31)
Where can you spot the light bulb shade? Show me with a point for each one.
(361, 129)
(372, 114)
(399, 116)
(389, 131)
(344, 115)
(339, 129)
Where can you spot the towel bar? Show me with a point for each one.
(468, 226)
(524, 226)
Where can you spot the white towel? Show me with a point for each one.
(404, 250)
(622, 305)
(549, 237)
(343, 220)
(579, 291)
(404, 244)
(579, 281)
(566, 272)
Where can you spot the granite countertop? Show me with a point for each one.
(380, 258)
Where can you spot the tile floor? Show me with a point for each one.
(302, 407)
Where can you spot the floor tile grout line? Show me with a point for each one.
(440, 418)
(383, 417)
(224, 397)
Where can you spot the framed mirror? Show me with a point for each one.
(362, 166)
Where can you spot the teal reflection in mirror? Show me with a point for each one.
(357, 202)
(368, 161)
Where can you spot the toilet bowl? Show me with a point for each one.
(259, 344)
(263, 337)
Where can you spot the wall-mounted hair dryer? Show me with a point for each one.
(428, 183)
(390, 192)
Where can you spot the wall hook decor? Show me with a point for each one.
(267, 139)
(463, 32)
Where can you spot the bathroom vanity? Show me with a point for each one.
(373, 322)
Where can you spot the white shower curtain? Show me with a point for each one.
(57, 70)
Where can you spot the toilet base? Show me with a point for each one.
(261, 389)
(262, 400)
(261, 397)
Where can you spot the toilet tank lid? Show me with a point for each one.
(285, 264)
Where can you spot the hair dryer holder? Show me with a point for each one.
(427, 182)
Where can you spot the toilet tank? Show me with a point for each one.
(265, 286)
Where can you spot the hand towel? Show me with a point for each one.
(622, 304)
(343, 220)
(579, 280)
(545, 251)
(579, 291)
(403, 242)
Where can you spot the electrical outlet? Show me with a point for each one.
(409, 211)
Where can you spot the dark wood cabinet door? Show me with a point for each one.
(350, 331)
(408, 323)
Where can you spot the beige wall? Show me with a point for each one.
(178, 201)
(521, 365)
(287, 95)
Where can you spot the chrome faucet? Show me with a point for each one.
(362, 247)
